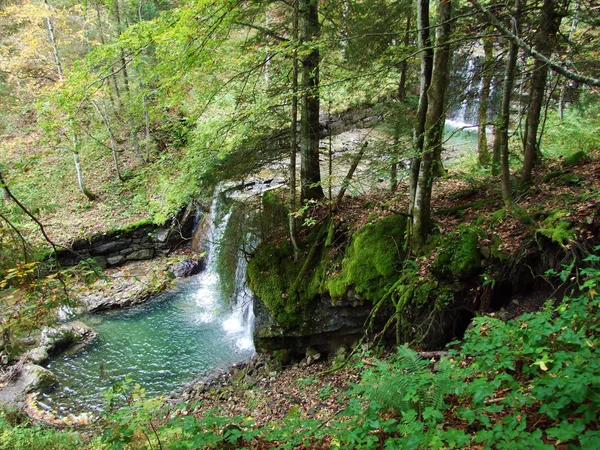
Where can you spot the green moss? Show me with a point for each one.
(371, 263)
(575, 159)
(270, 274)
(495, 249)
(134, 226)
(557, 228)
(459, 258)
(498, 217)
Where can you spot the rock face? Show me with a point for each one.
(71, 336)
(122, 246)
(330, 327)
(30, 378)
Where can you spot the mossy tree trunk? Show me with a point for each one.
(434, 127)
(310, 172)
(544, 44)
(294, 144)
(424, 42)
(501, 142)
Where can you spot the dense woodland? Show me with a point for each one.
(119, 113)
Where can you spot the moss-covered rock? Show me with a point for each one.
(459, 257)
(557, 228)
(575, 159)
(373, 259)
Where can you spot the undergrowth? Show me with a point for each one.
(532, 380)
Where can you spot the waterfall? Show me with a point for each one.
(239, 321)
(466, 83)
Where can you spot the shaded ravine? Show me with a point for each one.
(183, 333)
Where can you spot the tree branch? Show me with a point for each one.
(558, 68)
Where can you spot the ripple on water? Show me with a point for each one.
(160, 345)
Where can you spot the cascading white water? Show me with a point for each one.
(463, 116)
(187, 331)
(240, 321)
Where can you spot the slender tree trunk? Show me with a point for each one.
(310, 172)
(147, 128)
(565, 86)
(79, 172)
(113, 145)
(294, 130)
(404, 65)
(52, 38)
(504, 117)
(401, 98)
(484, 100)
(434, 127)
(112, 82)
(424, 42)
(117, 14)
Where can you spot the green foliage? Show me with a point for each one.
(406, 384)
(458, 257)
(576, 135)
(23, 436)
(557, 228)
(372, 261)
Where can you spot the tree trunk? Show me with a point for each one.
(78, 170)
(434, 128)
(484, 100)
(310, 172)
(424, 42)
(501, 142)
(53, 43)
(113, 145)
(294, 144)
(404, 64)
(117, 14)
(544, 44)
(401, 98)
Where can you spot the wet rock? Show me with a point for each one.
(72, 336)
(188, 267)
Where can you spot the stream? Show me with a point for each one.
(186, 332)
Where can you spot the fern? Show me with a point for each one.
(406, 385)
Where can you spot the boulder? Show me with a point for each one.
(72, 336)
(30, 378)
(188, 267)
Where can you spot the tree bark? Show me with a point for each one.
(310, 172)
(401, 98)
(113, 145)
(294, 143)
(434, 127)
(79, 172)
(544, 44)
(52, 38)
(424, 42)
(484, 100)
(501, 142)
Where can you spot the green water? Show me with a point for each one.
(162, 345)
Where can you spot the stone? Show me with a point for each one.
(29, 379)
(54, 340)
(145, 253)
(188, 267)
(162, 235)
(110, 247)
(115, 260)
(38, 355)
